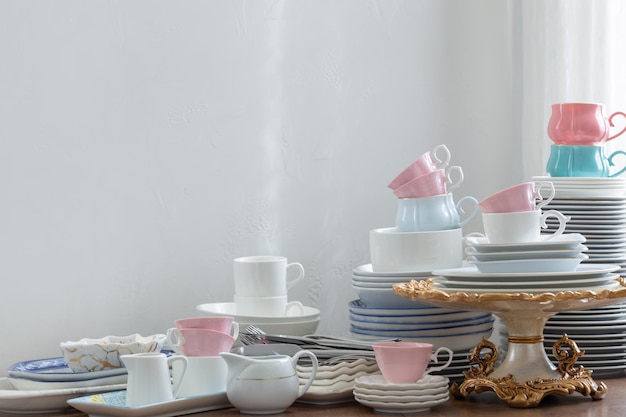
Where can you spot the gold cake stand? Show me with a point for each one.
(526, 375)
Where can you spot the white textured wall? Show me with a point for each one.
(145, 144)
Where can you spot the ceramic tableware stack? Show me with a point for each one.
(427, 235)
(405, 384)
(261, 297)
(334, 381)
(589, 191)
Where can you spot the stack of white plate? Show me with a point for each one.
(585, 187)
(602, 221)
(387, 397)
(294, 325)
(561, 253)
(600, 332)
(469, 279)
(334, 383)
(375, 288)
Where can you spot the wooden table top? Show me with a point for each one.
(483, 404)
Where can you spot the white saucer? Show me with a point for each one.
(563, 241)
(379, 382)
(401, 408)
(230, 309)
(366, 270)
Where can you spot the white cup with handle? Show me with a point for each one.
(265, 276)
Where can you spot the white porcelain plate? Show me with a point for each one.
(529, 265)
(584, 270)
(13, 401)
(230, 309)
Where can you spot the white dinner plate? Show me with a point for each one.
(366, 270)
(513, 255)
(528, 289)
(560, 284)
(13, 401)
(583, 270)
(531, 265)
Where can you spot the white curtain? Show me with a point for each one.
(571, 51)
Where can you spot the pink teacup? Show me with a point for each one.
(426, 163)
(224, 324)
(520, 197)
(199, 342)
(437, 182)
(581, 124)
(406, 362)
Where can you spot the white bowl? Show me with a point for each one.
(395, 251)
(88, 355)
(229, 309)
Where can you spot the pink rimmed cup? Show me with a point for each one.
(581, 124)
(199, 342)
(526, 196)
(438, 158)
(407, 362)
(224, 324)
(437, 182)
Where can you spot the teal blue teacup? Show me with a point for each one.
(582, 161)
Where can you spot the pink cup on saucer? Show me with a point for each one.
(199, 342)
(224, 324)
(406, 362)
(520, 197)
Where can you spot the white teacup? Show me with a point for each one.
(267, 306)
(394, 251)
(204, 375)
(523, 226)
(265, 276)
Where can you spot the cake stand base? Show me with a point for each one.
(528, 394)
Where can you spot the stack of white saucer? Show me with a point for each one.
(387, 397)
(333, 383)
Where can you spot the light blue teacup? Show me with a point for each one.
(433, 213)
(582, 161)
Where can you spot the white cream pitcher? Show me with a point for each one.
(149, 379)
(265, 384)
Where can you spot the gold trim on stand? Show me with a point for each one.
(525, 315)
(526, 339)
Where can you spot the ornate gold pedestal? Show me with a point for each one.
(526, 375)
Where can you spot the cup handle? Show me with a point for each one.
(460, 210)
(563, 219)
(234, 330)
(175, 339)
(610, 161)
(538, 187)
(434, 356)
(453, 185)
(297, 266)
(443, 161)
(294, 305)
(612, 125)
(185, 362)
(294, 361)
